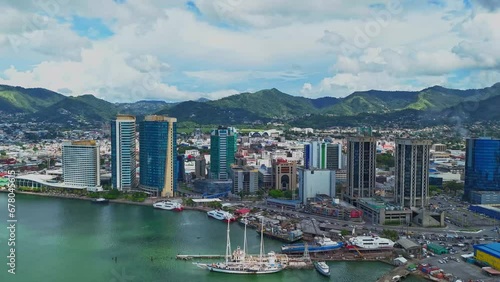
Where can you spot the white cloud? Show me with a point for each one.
(340, 46)
(223, 77)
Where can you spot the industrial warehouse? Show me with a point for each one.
(489, 255)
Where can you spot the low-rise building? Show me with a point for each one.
(378, 211)
(485, 197)
(315, 181)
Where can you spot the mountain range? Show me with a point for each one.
(432, 105)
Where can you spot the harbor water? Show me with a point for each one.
(75, 240)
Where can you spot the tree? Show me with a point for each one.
(344, 232)
(275, 193)
(3, 153)
(288, 194)
(385, 160)
(433, 189)
(390, 234)
(453, 186)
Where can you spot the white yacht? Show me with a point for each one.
(168, 205)
(221, 215)
(370, 243)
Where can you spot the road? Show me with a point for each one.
(486, 230)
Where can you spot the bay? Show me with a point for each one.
(75, 240)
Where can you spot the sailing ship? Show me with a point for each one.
(241, 263)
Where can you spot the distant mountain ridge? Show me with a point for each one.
(38, 104)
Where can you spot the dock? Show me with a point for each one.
(397, 274)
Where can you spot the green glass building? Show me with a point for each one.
(222, 150)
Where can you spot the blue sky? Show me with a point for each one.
(180, 50)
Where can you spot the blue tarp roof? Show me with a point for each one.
(491, 249)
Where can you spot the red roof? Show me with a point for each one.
(243, 211)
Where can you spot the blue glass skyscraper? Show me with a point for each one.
(158, 155)
(482, 166)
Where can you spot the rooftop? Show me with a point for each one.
(491, 249)
(379, 203)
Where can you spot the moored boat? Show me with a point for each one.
(100, 201)
(168, 205)
(241, 263)
(221, 215)
(321, 244)
(322, 268)
(369, 243)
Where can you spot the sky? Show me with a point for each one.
(173, 50)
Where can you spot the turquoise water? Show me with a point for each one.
(73, 240)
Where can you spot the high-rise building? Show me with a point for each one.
(412, 172)
(361, 166)
(482, 165)
(222, 151)
(80, 163)
(322, 156)
(200, 167)
(180, 169)
(245, 179)
(285, 174)
(123, 158)
(158, 155)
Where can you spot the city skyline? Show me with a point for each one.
(134, 50)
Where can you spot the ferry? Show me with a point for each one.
(221, 215)
(168, 205)
(322, 268)
(369, 243)
(321, 244)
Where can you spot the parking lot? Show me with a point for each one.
(460, 269)
(457, 245)
(457, 213)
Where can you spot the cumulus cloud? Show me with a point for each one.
(163, 50)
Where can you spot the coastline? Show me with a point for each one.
(147, 202)
(150, 201)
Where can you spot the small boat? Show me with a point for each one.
(322, 268)
(168, 205)
(100, 201)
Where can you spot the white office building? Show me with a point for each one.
(80, 164)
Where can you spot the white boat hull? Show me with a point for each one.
(243, 270)
(168, 206)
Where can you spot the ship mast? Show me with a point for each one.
(261, 239)
(245, 240)
(228, 244)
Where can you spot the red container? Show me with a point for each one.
(356, 213)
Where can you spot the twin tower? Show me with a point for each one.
(157, 154)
